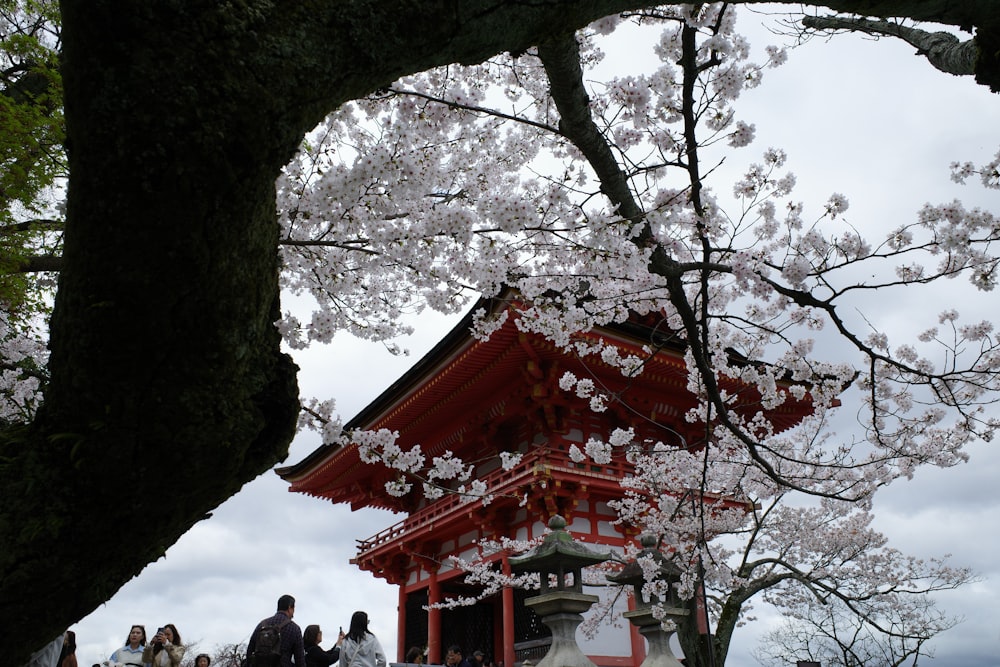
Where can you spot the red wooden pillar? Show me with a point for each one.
(508, 619)
(638, 642)
(401, 624)
(434, 656)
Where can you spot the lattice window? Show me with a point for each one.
(416, 619)
(527, 624)
(469, 627)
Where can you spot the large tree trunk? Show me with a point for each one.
(169, 390)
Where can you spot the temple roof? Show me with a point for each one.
(457, 396)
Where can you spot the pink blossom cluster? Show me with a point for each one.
(24, 355)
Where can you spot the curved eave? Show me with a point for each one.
(417, 381)
(442, 400)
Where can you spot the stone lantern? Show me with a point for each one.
(560, 608)
(650, 627)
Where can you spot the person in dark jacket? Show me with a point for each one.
(312, 637)
(454, 657)
(292, 648)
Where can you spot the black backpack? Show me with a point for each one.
(267, 649)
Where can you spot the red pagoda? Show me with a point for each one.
(478, 399)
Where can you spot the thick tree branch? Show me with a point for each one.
(40, 263)
(943, 50)
(978, 16)
(41, 225)
(560, 55)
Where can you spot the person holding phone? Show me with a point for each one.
(312, 637)
(165, 648)
(361, 648)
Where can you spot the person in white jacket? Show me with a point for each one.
(361, 648)
(131, 652)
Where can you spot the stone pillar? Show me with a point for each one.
(562, 612)
(659, 654)
(560, 606)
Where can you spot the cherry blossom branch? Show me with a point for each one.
(486, 111)
(560, 55)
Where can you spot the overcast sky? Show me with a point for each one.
(867, 119)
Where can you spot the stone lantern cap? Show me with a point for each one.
(632, 574)
(558, 554)
(558, 548)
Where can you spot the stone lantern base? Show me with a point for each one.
(650, 627)
(561, 612)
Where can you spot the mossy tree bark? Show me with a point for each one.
(168, 388)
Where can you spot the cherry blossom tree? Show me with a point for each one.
(794, 556)
(164, 359)
(614, 214)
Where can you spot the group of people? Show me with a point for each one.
(358, 647)
(165, 649)
(453, 658)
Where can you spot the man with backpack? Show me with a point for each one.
(277, 640)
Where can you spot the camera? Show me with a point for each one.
(159, 631)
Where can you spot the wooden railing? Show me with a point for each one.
(538, 461)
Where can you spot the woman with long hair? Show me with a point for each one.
(131, 653)
(361, 648)
(312, 637)
(165, 649)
